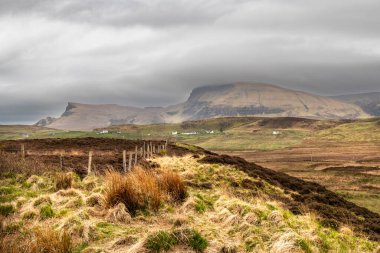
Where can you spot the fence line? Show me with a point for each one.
(146, 151)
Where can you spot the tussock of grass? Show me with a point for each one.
(42, 200)
(68, 193)
(63, 181)
(6, 209)
(39, 241)
(29, 215)
(46, 212)
(138, 190)
(142, 190)
(173, 184)
(94, 200)
(164, 241)
(77, 202)
(118, 214)
(161, 241)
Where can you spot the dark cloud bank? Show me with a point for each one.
(148, 52)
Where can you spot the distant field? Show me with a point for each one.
(227, 133)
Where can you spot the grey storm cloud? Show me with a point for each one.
(153, 52)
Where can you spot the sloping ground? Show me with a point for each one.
(236, 206)
(230, 211)
(331, 207)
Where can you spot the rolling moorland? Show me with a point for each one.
(342, 155)
(182, 199)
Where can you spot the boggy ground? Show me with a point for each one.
(358, 176)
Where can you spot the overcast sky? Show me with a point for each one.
(153, 52)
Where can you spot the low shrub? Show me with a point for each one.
(6, 209)
(46, 212)
(63, 181)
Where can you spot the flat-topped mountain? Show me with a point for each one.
(369, 102)
(237, 99)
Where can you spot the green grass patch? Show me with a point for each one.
(365, 199)
(6, 210)
(304, 245)
(197, 242)
(46, 212)
(164, 241)
(203, 202)
(161, 241)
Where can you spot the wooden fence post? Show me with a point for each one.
(23, 151)
(89, 162)
(135, 156)
(147, 152)
(61, 161)
(144, 149)
(141, 152)
(130, 162)
(125, 161)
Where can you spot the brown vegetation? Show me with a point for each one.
(138, 190)
(38, 241)
(141, 189)
(12, 163)
(62, 181)
(173, 184)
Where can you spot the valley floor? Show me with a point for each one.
(350, 170)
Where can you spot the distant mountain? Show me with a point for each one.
(237, 99)
(369, 102)
(44, 122)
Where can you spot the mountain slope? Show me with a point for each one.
(369, 102)
(238, 99)
(244, 99)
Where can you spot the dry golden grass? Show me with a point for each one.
(137, 190)
(143, 190)
(62, 181)
(172, 183)
(38, 241)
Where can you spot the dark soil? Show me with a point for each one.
(351, 169)
(107, 153)
(332, 208)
